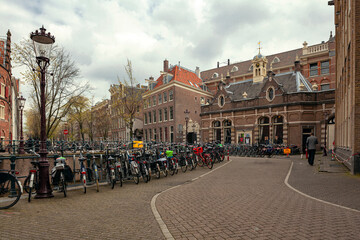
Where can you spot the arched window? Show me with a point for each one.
(270, 93)
(278, 129)
(264, 130)
(215, 75)
(221, 101)
(227, 123)
(216, 124)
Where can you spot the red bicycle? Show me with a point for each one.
(203, 158)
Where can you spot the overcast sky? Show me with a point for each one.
(101, 34)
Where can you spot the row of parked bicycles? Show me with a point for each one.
(261, 150)
(115, 166)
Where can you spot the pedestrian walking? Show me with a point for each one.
(311, 148)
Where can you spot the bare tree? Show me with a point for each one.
(101, 119)
(129, 98)
(61, 88)
(78, 113)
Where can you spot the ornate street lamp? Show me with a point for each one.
(21, 101)
(186, 125)
(42, 44)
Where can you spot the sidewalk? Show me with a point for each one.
(327, 180)
(327, 164)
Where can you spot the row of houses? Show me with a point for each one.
(9, 93)
(280, 98)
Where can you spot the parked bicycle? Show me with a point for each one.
(10, 189)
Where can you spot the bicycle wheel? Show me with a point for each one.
(172, 168)
(113, 183)
(200, 162)
(189, 163)
(97, 185)
(136, 179)
(157, 173)
(209, 162)
(10, 190)
(183, 165)
(120, 179)
(62, 184)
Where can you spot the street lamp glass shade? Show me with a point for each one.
(42, 43)
(21, 102)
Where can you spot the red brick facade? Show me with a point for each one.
(175, 91)
(319, 57)
(347, 24)
(5, 89)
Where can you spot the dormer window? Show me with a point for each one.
(251, 67)
(275, 60)
(215, 75)
(234, 69)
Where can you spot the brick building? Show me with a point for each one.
(165, 102)
(120, 131)
(101, 120)
(276, 106)
(317, 65)
(347, 27)
(9, 90)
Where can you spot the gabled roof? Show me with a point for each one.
(289, 82)
(180, 74)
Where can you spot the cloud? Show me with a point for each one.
(101, 35)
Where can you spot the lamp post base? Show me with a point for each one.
(44, 190)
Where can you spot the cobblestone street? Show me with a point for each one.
(244, 199)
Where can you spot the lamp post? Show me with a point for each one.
(186, 124)
(42, 44)
(21, 101)
(325, 116)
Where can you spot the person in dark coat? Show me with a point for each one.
(311, 148)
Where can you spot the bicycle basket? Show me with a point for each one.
(169, 153)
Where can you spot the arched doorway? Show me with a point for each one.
(278, 129)
(264, 130)
(227, 131)
(217, 131)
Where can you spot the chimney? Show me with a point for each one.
(8, 51)
(297, 66)
(166, 65)
(197, 72)
(218, 64)
(228, 62)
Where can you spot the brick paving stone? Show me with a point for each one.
(247, 199)
(121, 213)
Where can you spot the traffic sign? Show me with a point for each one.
(66, 131)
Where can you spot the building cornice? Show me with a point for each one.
(307, 103)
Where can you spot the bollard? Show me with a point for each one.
(228, 155)
(101, 166)
(74, 159)
(13, 192)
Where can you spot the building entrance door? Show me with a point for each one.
(305, 134)
(191, 137)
